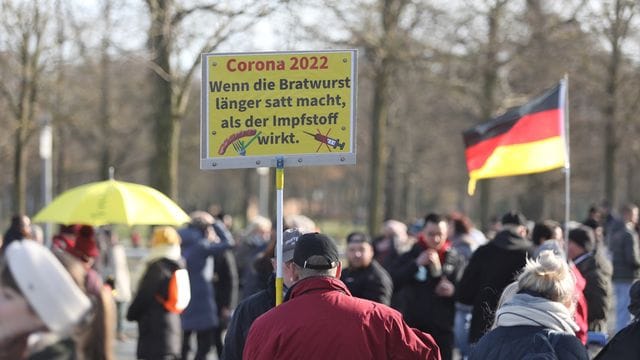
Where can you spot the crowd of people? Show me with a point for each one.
(424, 290)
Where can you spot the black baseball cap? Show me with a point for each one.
(316, 251)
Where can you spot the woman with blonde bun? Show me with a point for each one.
(535, 315)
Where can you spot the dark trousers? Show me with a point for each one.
(444, 339)
(205, 339)
(219, 341)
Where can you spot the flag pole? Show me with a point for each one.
(567, 163)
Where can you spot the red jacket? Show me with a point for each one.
(580, 315)
(321, 320)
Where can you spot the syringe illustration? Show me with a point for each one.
(326, 140)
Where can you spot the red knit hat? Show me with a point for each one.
(85, 246)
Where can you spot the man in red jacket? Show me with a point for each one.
(321, 320)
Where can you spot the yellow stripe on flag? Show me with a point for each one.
(520, 159)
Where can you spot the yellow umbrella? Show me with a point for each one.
(112, 202)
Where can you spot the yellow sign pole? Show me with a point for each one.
(279, 216)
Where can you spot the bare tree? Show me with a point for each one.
(171, 88)
(105, 92)
(24, 25)
(384, 30)
(617, 16)
(501, 39)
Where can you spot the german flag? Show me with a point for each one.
(524, 140)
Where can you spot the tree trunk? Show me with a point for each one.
(20, 170)
(609, 114)
(407, 197)
(29, 58)
(163, 171)
(62, 160)
(378, 159)
(105, 97)
(391, 179)
(490, 76)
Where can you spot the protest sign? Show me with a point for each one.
(298, 105)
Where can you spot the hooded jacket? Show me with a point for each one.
(491, 268)
(321, 320)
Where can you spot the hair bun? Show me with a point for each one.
(550, 276)
(550, 264)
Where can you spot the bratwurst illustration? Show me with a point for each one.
(233, 138)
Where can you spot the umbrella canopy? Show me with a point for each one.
(112, 202)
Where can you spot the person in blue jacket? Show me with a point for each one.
(199, 244)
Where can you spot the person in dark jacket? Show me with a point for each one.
(596, 270)
(625, 252)
(625, 344)
(199, 244)
(321, 320)
(259, 303)
(534, 317)
(159, 330)
(365, 277)
(491, 268)
(251, 245)
(428, 275)
(225, 284)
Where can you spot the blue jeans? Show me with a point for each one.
(623, 317)
(461, 325)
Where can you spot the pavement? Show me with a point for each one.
(126, 349)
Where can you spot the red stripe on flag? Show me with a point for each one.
(529, 128)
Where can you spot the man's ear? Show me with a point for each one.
(294, 272)
(339, 270)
